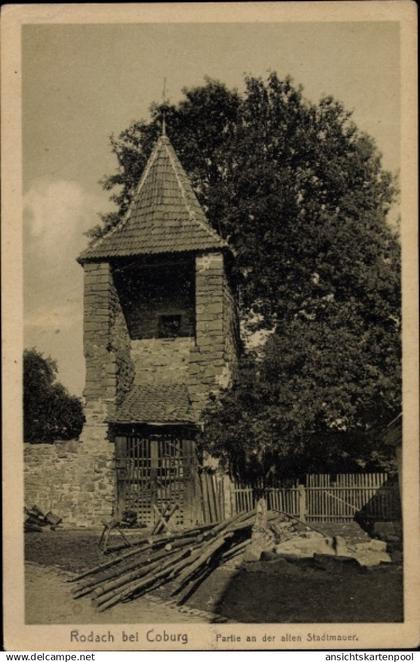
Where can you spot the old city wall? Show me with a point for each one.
(231, 331)
(211, 360)
(76, 479)
(161, 360)
(109, 367)
(70, 481)
(204, 362)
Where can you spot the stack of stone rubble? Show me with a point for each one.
(286, 537)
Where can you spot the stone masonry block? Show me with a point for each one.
(209, 261)
(204, 328)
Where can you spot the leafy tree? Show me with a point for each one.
(50, 413)
(302, 407)
(301, 195)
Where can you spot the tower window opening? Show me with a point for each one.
(169, 326)
(157, 298)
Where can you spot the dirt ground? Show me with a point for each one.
(48, 601)
(271, 591)
(276, 592)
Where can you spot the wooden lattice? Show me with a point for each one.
(157, 470)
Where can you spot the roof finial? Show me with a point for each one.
(164, 103)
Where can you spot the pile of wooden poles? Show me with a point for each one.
(182, 559)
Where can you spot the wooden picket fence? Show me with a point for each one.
(244, 498)
(211, 487)
(323, 498)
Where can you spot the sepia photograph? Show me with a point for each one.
(213, 262)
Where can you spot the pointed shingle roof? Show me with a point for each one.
(164, 216)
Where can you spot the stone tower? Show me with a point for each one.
(160, 333)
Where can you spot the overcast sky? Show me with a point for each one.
(83, 82)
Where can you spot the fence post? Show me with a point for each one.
(228, 496)
(302, 503)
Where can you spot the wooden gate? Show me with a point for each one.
(155, 471)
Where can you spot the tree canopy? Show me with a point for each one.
(50, 412)
(301, 196)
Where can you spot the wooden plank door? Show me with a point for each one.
(157, 471)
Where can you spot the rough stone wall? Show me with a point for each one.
(230, 331)
(161, 361)
(85, 471)
(212, 359)
(109, 369)
(70, 480)
(77, 479)
(97, 303)
(121, 363)
(113, 361)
